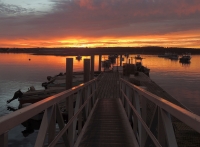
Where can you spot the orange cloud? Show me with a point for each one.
(105, 23)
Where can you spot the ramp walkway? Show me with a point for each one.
(108, 125)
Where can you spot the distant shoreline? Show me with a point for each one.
(99, 51)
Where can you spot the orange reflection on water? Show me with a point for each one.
(55, 62)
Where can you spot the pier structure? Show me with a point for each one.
(109, 110)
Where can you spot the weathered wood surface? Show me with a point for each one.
(108, 125)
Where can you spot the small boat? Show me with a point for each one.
(173, 56)
(138, 57)
(79, 57)
(135, 68)
(165, 55)
(185, 57)
(33, 95)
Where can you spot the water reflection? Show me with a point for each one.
(181, 80)
(185, 63)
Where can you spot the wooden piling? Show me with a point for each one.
(86, 70)
(120, 60)
(100, 56)
(92, 67)
(69, 72)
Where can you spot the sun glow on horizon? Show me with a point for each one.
(189, 39)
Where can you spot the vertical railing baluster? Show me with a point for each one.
(161, 131)
(44, 127)
(87, 105)
(90, 101)
(61, 125)
(4, 139)
(80, 116)
(52, 125)
(77, 106)
(70, 114)
(137, 103)
(123, 89)
(85, 108)
(168, 127)
(120, 89)
(93, 94)
(127, 105)
(135, 120)
(144, 117)
(131, 118)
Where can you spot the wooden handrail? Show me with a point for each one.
(182, 114)
(13, 119)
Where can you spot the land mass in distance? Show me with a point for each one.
(100, 51)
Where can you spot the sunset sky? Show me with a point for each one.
(99, 23)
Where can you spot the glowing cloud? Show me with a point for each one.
(98, 23)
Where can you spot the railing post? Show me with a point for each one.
(69, 72)
(144, 117)
(70, 114)
(126, 103)
(137, 106)
(168, 127)
(61, 125)
(44, 126)
(52, 125)
(75, 123)
(90, 101)
(122, 89)
(4, 139)
(135, 120)
(80, 116)
(161, 130)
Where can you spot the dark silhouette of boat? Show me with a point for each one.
(79, 57)
(185, 58)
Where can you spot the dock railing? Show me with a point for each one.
(82, 97)
(156, 121)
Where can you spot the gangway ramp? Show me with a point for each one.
(108, 126)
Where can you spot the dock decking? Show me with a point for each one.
(108, 125)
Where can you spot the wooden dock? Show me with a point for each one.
(108, 125)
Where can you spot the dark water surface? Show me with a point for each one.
(182, 81)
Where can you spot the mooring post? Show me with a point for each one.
(92, 66)
(69, 72)
(86, 70)
(69, 100)
(100, 62)
(120, 60)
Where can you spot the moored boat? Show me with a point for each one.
(173, 56)
(79, 57)
(185, 57)
(138, 57)
(32, 95)
(136, 68)
(165, 55)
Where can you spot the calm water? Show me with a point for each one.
(182, 81)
